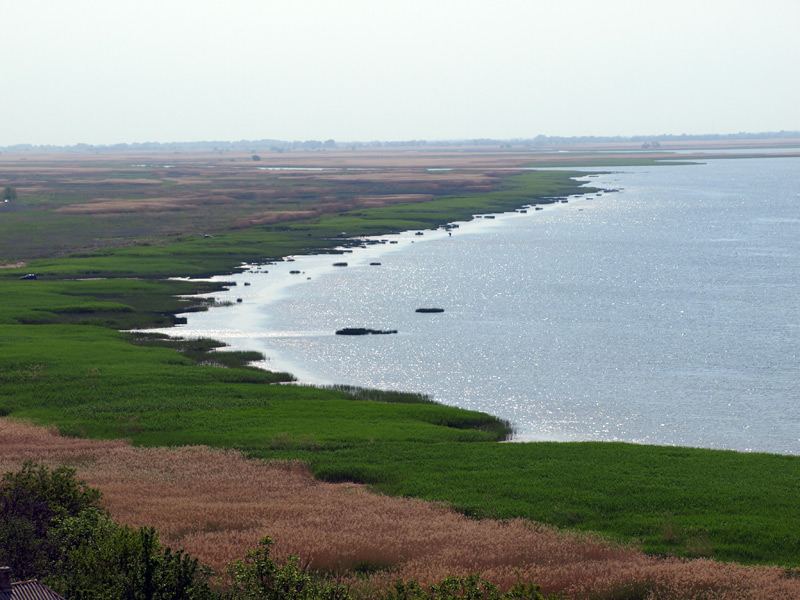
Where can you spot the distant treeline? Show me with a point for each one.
(287, 146)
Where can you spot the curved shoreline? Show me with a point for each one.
(638, 432)
(285, 275)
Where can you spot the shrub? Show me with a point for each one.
(53, 527)
(259, 577)
(32, 500)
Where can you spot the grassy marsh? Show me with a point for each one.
(214, 503)
(102, 269)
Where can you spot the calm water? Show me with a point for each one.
(665, 313)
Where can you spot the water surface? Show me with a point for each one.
(664, 313)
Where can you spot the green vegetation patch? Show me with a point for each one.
(91, 382)
(120, 303)
(673, 501)
(537, 187)
(603, 161)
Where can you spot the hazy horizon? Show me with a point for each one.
(102, 73)
(780, 137)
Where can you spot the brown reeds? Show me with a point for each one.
(215, 504)
(113, 206)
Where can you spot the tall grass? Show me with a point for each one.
(675, 501)
(373, 395)
(216, 503)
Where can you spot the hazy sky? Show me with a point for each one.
(109, 71)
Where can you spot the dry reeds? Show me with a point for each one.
(106, 206)
(215, 504)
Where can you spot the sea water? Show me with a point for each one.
(665, 312)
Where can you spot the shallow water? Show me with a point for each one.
(664, 313)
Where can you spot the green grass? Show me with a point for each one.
(677, 501)
(688, 502)
(602, 161)
(519, 190)
(63, 362)
(90, 382)
(120, 303)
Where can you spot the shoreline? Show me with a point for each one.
(359, 251)
(246, 290)
(306, 375)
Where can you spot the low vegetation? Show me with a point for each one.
(54, 528)
(673, 501)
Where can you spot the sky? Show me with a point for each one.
(124, 71)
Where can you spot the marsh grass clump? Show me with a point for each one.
(208, 352)
(374, 395)
(499, 429)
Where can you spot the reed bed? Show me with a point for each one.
(215, 504)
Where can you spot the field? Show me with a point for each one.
(94, 201)
(213, 503)
(103, 231)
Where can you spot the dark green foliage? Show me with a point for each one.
(32, 501)
(258, 577)
(110, 561)
(465, 588)
(53, 528)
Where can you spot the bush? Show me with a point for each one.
(52, 527)
(31, 502)
(118, 562)
(259, 577)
